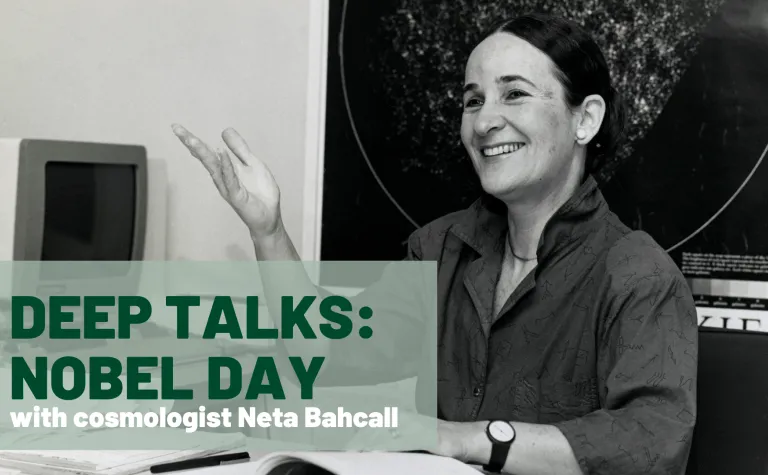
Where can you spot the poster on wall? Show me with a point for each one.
(692, 172)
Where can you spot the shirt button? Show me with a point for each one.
(477, 391)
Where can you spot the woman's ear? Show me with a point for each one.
(591, 118)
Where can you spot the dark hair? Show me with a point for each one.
(581, 69)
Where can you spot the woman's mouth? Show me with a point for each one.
(497, 150)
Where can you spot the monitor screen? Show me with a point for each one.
(90, 211)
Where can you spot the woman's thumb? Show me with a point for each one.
(237, 144)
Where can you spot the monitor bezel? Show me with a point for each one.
(35, 154)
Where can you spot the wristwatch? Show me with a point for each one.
(502, 434)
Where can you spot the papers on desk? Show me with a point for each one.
(269, 462)
(111, 462)
(92, 462)
(345, 463)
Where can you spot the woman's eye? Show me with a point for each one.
(516, 94)
(473, 103)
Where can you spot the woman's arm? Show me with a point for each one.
(537, 449)
(282, 273)
(248, 186)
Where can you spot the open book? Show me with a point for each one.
(276, 463)
(343, 463)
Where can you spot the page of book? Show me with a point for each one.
(350, 463)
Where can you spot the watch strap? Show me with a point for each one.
(499, 452)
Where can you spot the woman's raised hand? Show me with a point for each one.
(245, 182)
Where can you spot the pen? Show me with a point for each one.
(201, 462)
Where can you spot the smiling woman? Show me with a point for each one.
(564, 337)
(526, 93)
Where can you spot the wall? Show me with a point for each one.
(123, 71)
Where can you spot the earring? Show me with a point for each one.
(581, 134)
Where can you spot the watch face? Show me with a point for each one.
(501, 431)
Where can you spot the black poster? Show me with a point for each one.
(692, 172)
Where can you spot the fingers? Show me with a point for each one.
(202, 152)
(246, 158)
(197, 147)
(229, 176)
(237, 144)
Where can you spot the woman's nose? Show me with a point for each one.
(488, 120)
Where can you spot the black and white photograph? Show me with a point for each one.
(562, 205)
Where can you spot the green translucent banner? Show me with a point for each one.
(207, 355)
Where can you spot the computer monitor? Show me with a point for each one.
(73, 201)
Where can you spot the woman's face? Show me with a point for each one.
(516, 125)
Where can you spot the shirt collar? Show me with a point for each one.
(484, 224)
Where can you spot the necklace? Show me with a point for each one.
(524, 259)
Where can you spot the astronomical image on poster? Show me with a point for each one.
(692, 172)
(698, 181)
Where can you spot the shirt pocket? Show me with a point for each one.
(545, 401)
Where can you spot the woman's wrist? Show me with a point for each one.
(478, 448)
(273, 244)
(467, 441)
(265, 238)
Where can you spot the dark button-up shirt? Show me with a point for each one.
(599, 340)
